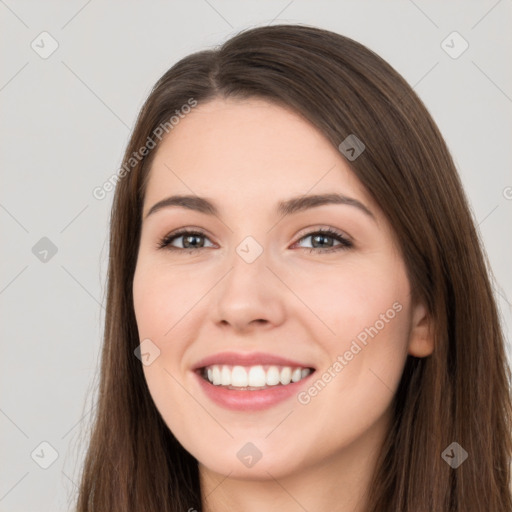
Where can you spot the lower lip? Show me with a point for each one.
(249, 400)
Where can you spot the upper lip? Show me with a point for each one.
(248, 359)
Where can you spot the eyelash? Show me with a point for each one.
(331, 233)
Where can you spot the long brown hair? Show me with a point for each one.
(461, 393)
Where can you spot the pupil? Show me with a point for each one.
(187, 238)
(316, 237)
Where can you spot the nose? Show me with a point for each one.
(250, 295)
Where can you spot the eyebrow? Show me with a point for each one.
(284, 208)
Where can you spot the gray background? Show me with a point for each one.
(66, 120)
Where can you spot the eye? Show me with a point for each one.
(191, 240)
(322, 236)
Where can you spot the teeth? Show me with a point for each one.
(239, 377)
(253, 376)
(225, 376)
(273, 376)
(286, 375)
(257, 376)
(296, 375)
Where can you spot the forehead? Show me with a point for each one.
(246, 152)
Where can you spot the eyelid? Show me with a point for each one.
(311, 230)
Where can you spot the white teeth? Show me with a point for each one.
(296, 375)
(257, 376)
(239, 377)
(225, 376)
(254, 376)
(273, 376)
(286, 375)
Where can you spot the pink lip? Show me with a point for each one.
(249, 400)
(243, 400)
(254, 358)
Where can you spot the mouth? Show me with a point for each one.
(253, 378)
(246, 382)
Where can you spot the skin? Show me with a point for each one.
(245, 156)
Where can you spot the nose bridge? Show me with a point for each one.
(250, 250)
(248, 263)
(247, 293)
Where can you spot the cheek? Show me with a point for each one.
(367, 312)
(161, 301)
(350, 298)
(158, 306)
(162, 297)
(363, 323)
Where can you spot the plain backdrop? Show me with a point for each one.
(66, 118)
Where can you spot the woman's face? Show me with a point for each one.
(258, 296)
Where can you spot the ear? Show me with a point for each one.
(421, 339)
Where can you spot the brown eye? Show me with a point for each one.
(191, 240)
(323, 240)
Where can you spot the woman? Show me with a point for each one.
(244, 370)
